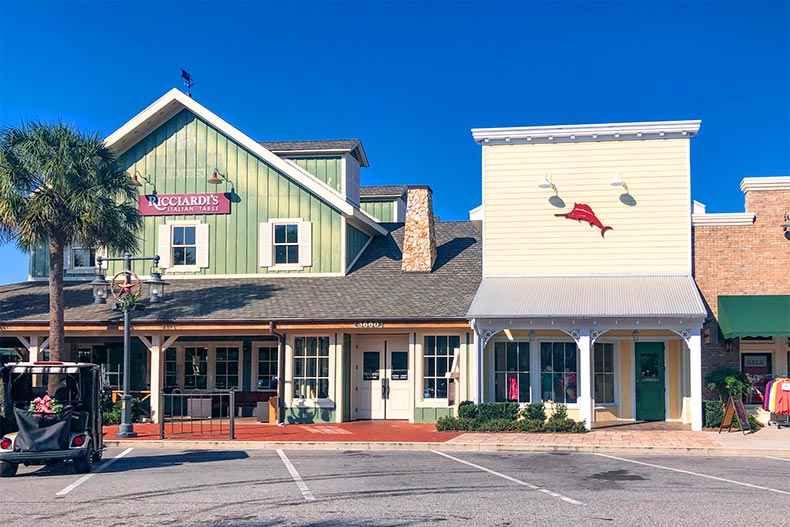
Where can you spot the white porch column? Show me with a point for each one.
(479, 375)
(695, 374)
(157, 347)
(585, 384)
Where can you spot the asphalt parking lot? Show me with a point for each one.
(378, 488)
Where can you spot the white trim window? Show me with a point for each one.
(183, 245)
(438, 354)
(604, 373)
(559, 372)
(226, 367)
(266, 372)
(171, 368)
(196, 368)
(80, 259)
(286, 244)
(311, 368)
(511, 372)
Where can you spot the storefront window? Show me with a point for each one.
(267, 368)
(558, 372)
(196, 368)
(311, 367)
(438, 355)
(171, 368)
(603, 362)
(511, 372)
(226, 370)
(759, 369)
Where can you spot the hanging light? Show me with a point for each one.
(215, 179)
(99, 285)
(635, 335)
(156, 287)
(532, 335)
(136, 182)
(617, 181)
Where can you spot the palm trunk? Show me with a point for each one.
(57, 336)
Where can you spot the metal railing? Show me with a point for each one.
(197, 414)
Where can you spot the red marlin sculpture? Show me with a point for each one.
(584, 212)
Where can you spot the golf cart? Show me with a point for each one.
(39, 428)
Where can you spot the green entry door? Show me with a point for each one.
(650, 381)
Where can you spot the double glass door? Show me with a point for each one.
(382, 375)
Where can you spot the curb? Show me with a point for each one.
(447, 447)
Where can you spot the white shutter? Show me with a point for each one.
(306, 244)
(265, 244)
(163, 246)
(201, 240)
(67, 258)
(102, 251)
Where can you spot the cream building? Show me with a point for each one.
(587, 295)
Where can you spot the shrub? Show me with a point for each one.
(496, 425)
(111, 413)
(561, 425)
(560, 412)
(490, 411)
(579, 428)
(713, 413)
(729, 382)
(530, 425)
(467, 409)
(535, 411)
(454, 424)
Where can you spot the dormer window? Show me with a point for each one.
(79, 259)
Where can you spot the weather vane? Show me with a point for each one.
(188, 81)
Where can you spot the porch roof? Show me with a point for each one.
(587, 297)
(375, 289)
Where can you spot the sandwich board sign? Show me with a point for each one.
(735, 409)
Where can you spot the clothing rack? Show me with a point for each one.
(777, 401)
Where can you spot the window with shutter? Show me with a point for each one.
(286, 244)
(183, 246)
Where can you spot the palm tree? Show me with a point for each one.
(59, 186)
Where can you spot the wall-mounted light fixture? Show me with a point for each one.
(635, 335)
(218, 177)
(137, 183)
(706, 336)
(546, 183)
(617, 181)
(727, 345)
(532, 335)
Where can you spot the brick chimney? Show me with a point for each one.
(419, 238)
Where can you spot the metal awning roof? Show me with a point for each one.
(587, 296)
(754, 316)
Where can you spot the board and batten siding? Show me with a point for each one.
(179, 157)
(326, 169)
(355, 242)
(384, 211)
(651, 235)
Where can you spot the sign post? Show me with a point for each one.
(734, 408)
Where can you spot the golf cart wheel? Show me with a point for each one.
(7, 470)
(82, 465)
(97, 456)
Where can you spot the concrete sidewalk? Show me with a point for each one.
(399, 435)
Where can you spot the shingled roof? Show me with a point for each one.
(382, 191)
(375, 289)
(318, 146)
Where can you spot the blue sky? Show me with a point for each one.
(411, 79)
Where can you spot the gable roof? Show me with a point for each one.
(383, 191)
(375, 289)
(174, 101)
(319, 147)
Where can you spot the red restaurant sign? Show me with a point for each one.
(177, 204)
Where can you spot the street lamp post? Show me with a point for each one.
(127, 302)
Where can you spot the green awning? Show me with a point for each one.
(754, 316)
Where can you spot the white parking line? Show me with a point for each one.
(777, 458)
(741, 483)
(86, 477)
(514, 480)
(296, 477)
